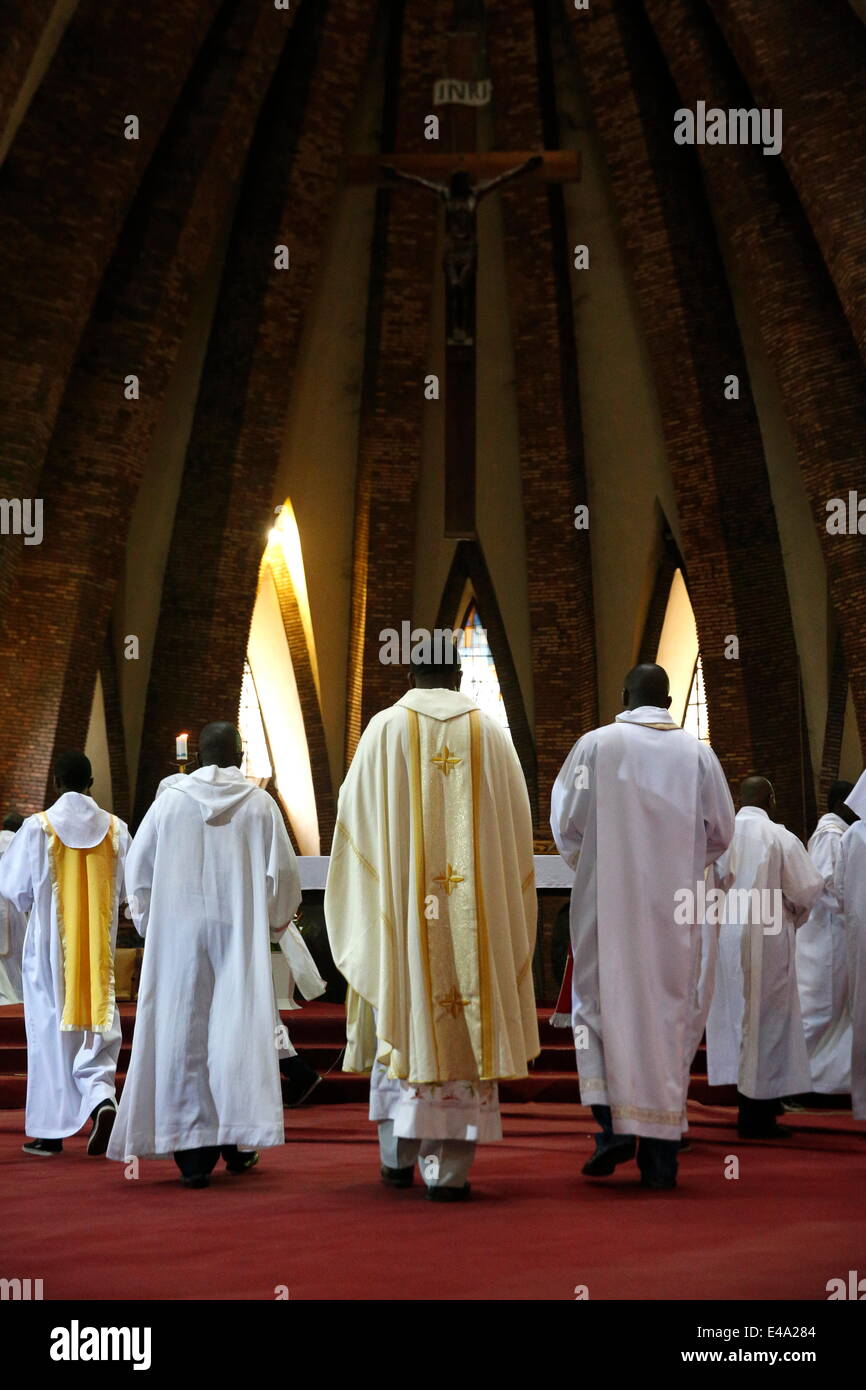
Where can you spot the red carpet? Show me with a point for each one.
(314, 1217)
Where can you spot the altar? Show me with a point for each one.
(553, 880)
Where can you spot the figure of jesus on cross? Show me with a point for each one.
(460, 258)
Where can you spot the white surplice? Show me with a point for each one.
(212, 879)
(13, 925)
(850, 886)
(725, 1014)
(822, 969)
(69, 1071)
(765, 857)
(640, 809)
(431, 914)
(303, 972)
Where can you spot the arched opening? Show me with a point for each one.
(479, 679)
(678, 653)
(271, 714)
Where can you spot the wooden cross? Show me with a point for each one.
(460, 175)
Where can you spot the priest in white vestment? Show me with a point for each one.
(822, 958)
(13, 925)
(772, 886)
(299, 1079)
(851, 897)
(639, 810)
(65, 867)
(431, 913)
(212, 880)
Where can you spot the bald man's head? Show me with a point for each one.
(220, 744)
(757, 791)
(646, 684)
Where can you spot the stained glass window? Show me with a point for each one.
(695, 720)
(479, 680)
(256, 764)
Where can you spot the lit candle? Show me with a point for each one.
(181, 744)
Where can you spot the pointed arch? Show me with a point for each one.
(469, 576)
(280, 712)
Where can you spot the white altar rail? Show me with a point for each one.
(551, 871)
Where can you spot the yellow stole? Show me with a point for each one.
(83, 885)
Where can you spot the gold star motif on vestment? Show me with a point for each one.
(449, 879)
(446, 760)
(453, 1003)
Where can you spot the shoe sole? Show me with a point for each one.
(293, 1104)
(41, 1153)
(98, 1141)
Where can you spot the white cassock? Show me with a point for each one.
(70, 1014)
(303, 972)
(851, 895)
(640, 809)
(13, 925)
(212, 879)
(822, 970)
(431, 914)
(764, 858)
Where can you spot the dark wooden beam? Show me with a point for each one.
(560, 166)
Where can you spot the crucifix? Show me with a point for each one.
(460, 179)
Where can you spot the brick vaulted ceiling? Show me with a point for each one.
(247, 115)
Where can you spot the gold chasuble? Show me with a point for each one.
(83, 886)
(430, 903)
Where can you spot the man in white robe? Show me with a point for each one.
(639, 810)
(13, 925)
(431, 913)
(299, 1079)
(850, 887)
(65, 867)
(822, 958)
(212, 879)
(771, 886)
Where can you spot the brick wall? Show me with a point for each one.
(67, 184)
(810, 60)
(396, 360)
(65, 588)
(730, 542)
(224, 508)
(546, 385)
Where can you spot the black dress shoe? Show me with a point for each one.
(43, 1148)
(449, 1194)
(196, 1180)
(242, 1163)
(685, 1146)
(397, 1177)
(103, 1118)
(657, 1184)
(299, 1081)
(603, 1161)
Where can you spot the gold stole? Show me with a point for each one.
(83, 885)
(445, 774)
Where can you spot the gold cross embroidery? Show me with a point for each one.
(452, 1003)
(449, 879)
(446, 760)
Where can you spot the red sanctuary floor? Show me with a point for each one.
(314, 1218)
